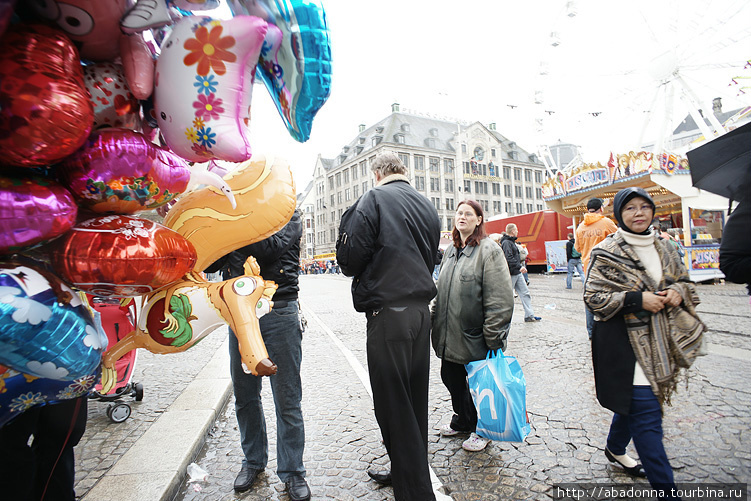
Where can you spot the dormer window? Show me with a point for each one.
(434, 132)
(405, 127)
(430, 142)
(379, 129)
(376, 140)
(399, 138)
(512, 145)
(358, 150)
(361, 139)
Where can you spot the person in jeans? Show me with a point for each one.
(573, 258)
(279, 258)
(511, 251)
(388, 242)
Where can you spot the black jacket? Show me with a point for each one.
(278, 256)
(512, 254)
(569, 248)
(735, 249)
(388, 242)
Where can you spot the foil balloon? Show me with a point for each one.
(20, 392)
(121, 256)
(265, 195)
(152, 14)
(114, 103)
(120, 171)
(95, 27)
(33, 210)
(179, 316)
(45, 112)
(204, 78)
(46, 329)
(6, 12)
(295, 63)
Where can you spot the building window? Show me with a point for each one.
(420, 183)
(496, 189)
(518, 191)
(507, 207)
(449, 185)
(528, 175)
(538, 176)
(485, 206)
(435, 164)
(449, 223)
(520, 208)
(517, 174)
(333, 234)
(376, 141)
(333, 216)
(338, 197)
(492, 153)
(346, 176)
(449, 204)
(419, 162)
(467, 186)
(539, 206)
(347, 194)
(356, 191)
(338, 179)
(354, 172)
(507, 190)
(331, 182)
(528, 191)
(467, 169)
(399, 138)
(538, 192)
(436, 202)
(332, 199)
(529, 207)
(405, 159)
(448, 165)
(507, 173)
(364, 187)
(363, 169)
(435, 184)
(481, 188)
(496, 206)
(464, 148)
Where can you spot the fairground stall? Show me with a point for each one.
(694, 217)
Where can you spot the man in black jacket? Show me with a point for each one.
(388, 242)
(279, 259)
(573, 258)
(508, 244)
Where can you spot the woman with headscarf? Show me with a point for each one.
(646, 331)
(471, 313)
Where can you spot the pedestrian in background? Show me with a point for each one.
(511, 251)
(388, 242)
(523, 253)
(573, 258)
(469, 317)
(646, 330)
(735, 248)
(590, 232)
(279, 257)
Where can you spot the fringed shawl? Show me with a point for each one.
(664, 342)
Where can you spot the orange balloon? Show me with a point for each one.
(265, 194)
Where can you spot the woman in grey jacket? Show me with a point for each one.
(471, 313)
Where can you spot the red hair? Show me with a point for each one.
(478, 234)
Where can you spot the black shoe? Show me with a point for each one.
(246, 477)
(382, 477)
(532, 319)
(634, 471)
(297, 488)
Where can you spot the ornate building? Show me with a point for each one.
(447, 161)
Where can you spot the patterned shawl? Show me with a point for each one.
(663, 342)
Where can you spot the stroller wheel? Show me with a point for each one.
(118, 412)
(138, 388)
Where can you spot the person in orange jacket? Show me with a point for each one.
(589, 233)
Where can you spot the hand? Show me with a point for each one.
(652, 302)
(523, 269)
(672, 298)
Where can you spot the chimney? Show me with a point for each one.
(717, 105)
(395, 108)
(491, 126)
(362, 127)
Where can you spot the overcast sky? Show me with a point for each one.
(491, 60)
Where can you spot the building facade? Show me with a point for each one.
(447, 161)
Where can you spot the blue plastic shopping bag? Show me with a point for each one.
(499, 392)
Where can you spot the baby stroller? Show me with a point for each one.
(118, 320)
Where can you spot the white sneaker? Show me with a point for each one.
(448, 431)
(475, 443)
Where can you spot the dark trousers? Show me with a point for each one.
(399, 365)
(454, 377)
(644, 425)
(46, 468)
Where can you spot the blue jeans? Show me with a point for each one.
(574, 264)
(644, 425)
(283, 338)
(520, 286)
(590, 322)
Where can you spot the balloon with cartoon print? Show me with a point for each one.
(45, 328)
(45, 111)
(204, 78)
(295, 63)
(151, 14)
(20, 392)
(114, 103)
(95, 27)
(33, 210)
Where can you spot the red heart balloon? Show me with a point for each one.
(122, 256)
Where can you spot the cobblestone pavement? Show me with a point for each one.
(706, 430)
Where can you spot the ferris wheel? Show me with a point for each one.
(623, 75)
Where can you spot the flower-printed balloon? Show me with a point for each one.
(45, 328)
(204, 79)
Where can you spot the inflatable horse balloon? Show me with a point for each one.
(176, 317)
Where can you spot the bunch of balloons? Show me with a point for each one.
(109, 111)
